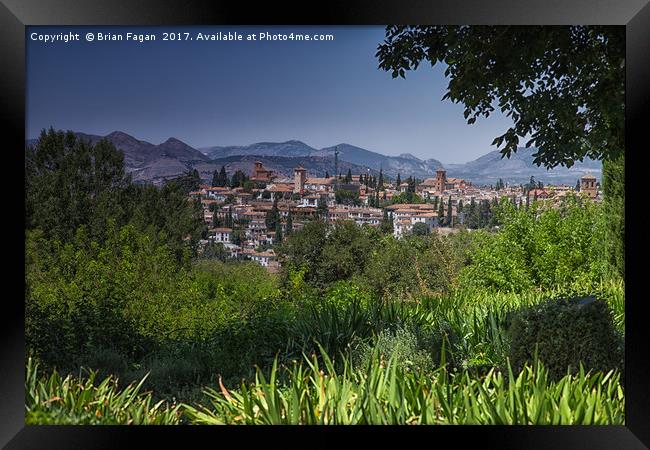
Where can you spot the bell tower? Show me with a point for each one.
(441, 180)
(299, 177)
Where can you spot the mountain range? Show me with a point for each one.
(148, 162)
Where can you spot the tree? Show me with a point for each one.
(441, 213)
(387, 223)
(614, 205)
(562, 86)
(348, 177)
(380, 182)
(420, 229)
(399, 180)
(322, 210)
(450, 221)
(223, 177)
(238, 179)
(327, 175)
(273, 216)
(220, 179)
(289, 225)
(278, 232)
(70, 182)
(238, 236)
(577, 188)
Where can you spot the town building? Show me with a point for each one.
(588, 186)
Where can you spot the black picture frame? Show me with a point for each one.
(15, 15)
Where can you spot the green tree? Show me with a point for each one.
(222, 180)
(70, 182)
(387, 223)
(322, 211)
(289, 225)
(564, 87)
(278, 232)
(399, 181)
(238, 179)
(273, 216)
(614, 206)
(450, 221)
(420, 229)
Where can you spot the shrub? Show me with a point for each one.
(400, 345)
(407, 269)
(565, 333)
(546, 246)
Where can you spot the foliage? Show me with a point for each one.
(384, 392)
(420, 229)
(409, 268)
(614, 206)
(346, 197)
(400, 345)
(565, 334)
(564, 87)
(545, 246)
(70, 182)
(55, 400)
(328, 255)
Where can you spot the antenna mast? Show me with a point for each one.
(336, 168)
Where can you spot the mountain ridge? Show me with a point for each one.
(149, 162)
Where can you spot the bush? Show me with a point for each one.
(400, 345)
(407, 269)
(546, 246)
(565, 333)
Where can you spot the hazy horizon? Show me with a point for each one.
(238, 93)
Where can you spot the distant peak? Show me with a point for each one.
(408, 156)
(119, 134)
(173, 140)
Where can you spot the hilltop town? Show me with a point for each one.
(252, 213)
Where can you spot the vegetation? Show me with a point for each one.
(358, 327)
(384, 392)
(565, 334)
(69, 401)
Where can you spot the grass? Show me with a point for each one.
(384, 393)
(55, 400)
(473, 384)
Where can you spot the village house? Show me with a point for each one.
(222, 235)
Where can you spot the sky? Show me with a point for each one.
(209, 93)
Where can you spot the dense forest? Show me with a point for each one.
(127, 322)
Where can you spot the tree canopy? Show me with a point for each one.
(562, 86)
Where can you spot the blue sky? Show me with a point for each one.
(238, 93)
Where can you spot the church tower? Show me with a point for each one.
(588, 185)
(299, 177)
(441, 180)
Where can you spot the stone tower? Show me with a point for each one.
(441, 180)
(299, 177)
(588, 185)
